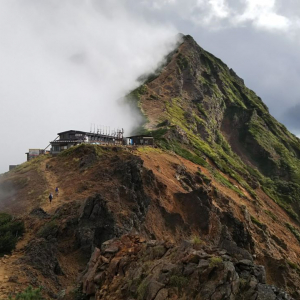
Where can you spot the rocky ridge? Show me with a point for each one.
(211, 212)
(131, 268)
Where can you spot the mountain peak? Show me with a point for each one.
(198, 106)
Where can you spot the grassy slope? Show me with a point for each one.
(194, 129)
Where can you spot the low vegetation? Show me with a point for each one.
(271, 215)
(195, 240)
(49, 229)
(33, 164)
(257, 222)
(294, 231)
(294, 266)
(81, 150)
(178, 281)
(29, 294)
(215, 261)
(141, 290)
(10, 231)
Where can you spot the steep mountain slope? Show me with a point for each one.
(210, 213)
(202, 110)
(165, 214)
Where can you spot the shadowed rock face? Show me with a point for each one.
(96, 224)
(197, 208)
(239, 234)
(131, 175)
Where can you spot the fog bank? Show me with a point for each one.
(65, 65)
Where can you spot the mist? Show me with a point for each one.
(7, 193)
(66, 64)
(258, 39)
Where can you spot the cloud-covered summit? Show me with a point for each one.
(257, 38)
(65, 64)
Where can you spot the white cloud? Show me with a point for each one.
(263, 14)
(217, 14)
(65, 64)
(219, 8)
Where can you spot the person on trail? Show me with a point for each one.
(50, 197)
(56, 191)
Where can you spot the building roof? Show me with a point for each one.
(88, 133)
(75, 131)
(140, 136)
(80, 140)
(66, 141)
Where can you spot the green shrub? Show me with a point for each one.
(49, 228)
(225, 182)
(257, 222)
(294, 231)
(293, 265)
(205, 179)
(215, 261)
(10, 231)
(196, 240)
(77, 294)
(158, 251)
(29, 294)
(141, 291)
(271, 215)
(178, 281)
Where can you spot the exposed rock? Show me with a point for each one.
(111, 250)
(41, 255)
(40, 213)
(96, 223)
(13, 279)
(172, 276)
(197, 208)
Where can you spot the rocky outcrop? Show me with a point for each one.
(39, 213)
(96, 223)
(134, 179)
(132, 268)
(42, 255)
(197, 208)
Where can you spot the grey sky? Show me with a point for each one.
(64, 64)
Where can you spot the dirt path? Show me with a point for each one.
(52, 183)
(12, 278)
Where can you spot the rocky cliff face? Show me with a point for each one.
(211, 212)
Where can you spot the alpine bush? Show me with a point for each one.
(10, 230)
(29, 294)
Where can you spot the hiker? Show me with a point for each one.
(50, 197)
(56, 191)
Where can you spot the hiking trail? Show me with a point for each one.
(9, 267)
(52, 183)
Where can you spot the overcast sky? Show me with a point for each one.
(65, 63)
